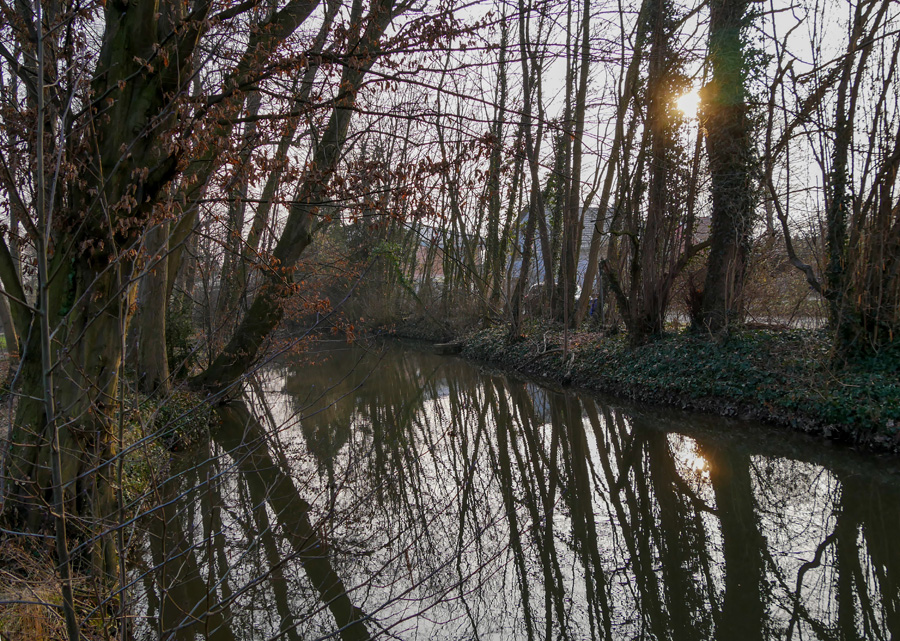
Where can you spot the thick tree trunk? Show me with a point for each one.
(650, 307)
(731, 163)
(62, 441)
(153, 377)
(86, 357)
(651, 212)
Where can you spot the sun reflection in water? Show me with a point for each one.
(688, 459)
(699, 465)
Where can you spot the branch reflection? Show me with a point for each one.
(417, 497)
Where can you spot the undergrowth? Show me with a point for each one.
(789, 377)
(31, 601)
(30, 589)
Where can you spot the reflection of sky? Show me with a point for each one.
(417, 503)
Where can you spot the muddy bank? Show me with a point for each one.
(784, 378)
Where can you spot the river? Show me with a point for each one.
(388, 492)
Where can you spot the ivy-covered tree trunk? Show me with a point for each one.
(731, 163)
(641, 267)
(861, 270)
(651, 298)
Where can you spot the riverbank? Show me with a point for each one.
(786, 378)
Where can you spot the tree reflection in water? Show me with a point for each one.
(413, 496)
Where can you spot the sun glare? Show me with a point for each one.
(688, 103)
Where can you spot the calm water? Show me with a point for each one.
(395, 493)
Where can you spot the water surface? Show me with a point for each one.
(389, 492)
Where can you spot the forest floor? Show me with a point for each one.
(788, 378)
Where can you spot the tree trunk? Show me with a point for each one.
(847, 312)
(618, 142)
(87, 357)
(651, 211)
(153, 361)
(731, 163)
(62, 442)
(532, 152)
(495, 254)
(9, 327)
(574, 216)
(650, 307)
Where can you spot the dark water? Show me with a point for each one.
(404, 495)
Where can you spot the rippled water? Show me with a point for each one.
(390, 492)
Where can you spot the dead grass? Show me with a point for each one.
(31, 597)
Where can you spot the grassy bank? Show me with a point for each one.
(788, 378)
